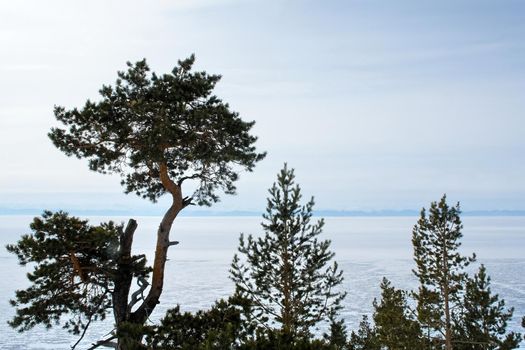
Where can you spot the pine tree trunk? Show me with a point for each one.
(124, 275)
(159, 263)
(288, 321)
(161, 251)
(286, 316)
(448, 333)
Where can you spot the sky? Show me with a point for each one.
(376, 104)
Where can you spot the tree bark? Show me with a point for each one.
(123, 278)
(287, 302)
(159, 263)
(448, 333)
(124, 275)
(161, 250)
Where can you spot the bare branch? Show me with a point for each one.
(187, 201)
(143, 284)
(106, 342)
(89, 321)
(194, 176)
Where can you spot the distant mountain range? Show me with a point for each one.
(201, 213)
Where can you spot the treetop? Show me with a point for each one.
(158, 131)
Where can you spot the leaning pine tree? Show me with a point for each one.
(165, 135)
(286, 274)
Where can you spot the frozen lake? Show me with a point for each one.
(367, 248)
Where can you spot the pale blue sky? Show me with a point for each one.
(377, 104)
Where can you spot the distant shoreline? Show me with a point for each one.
(238, 213)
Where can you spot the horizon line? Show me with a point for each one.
(247, 213)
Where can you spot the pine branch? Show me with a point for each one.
(89, 321)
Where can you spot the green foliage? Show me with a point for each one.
(130, 334)
(337, 337)
(395, 326)
(74, 265)
(224, 327)
(459, 312)
(148, 123)
(286, 273)
(218, 328)
(365, 338)
(484, 318)
(440, 267)
(156, 132)
(269, 339)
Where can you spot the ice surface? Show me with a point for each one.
(367, 248)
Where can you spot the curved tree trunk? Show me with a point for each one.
(159, 262)
(122, 306)
(163, 243)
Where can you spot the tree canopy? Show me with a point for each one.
(150, 127)
(395, 326)
(484, 318)
(75, 274)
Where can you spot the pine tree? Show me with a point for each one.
(365, 338)
(484, 318)
(440, 269)
(78, 270)
(286, 273)
(159, 133)
(395, 325)
(337, 336)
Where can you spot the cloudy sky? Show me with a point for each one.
(376, 104)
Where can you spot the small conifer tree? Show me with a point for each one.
(365, 338)
(395, 326)
(286, 273)
(484, 318)
(218, 328)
